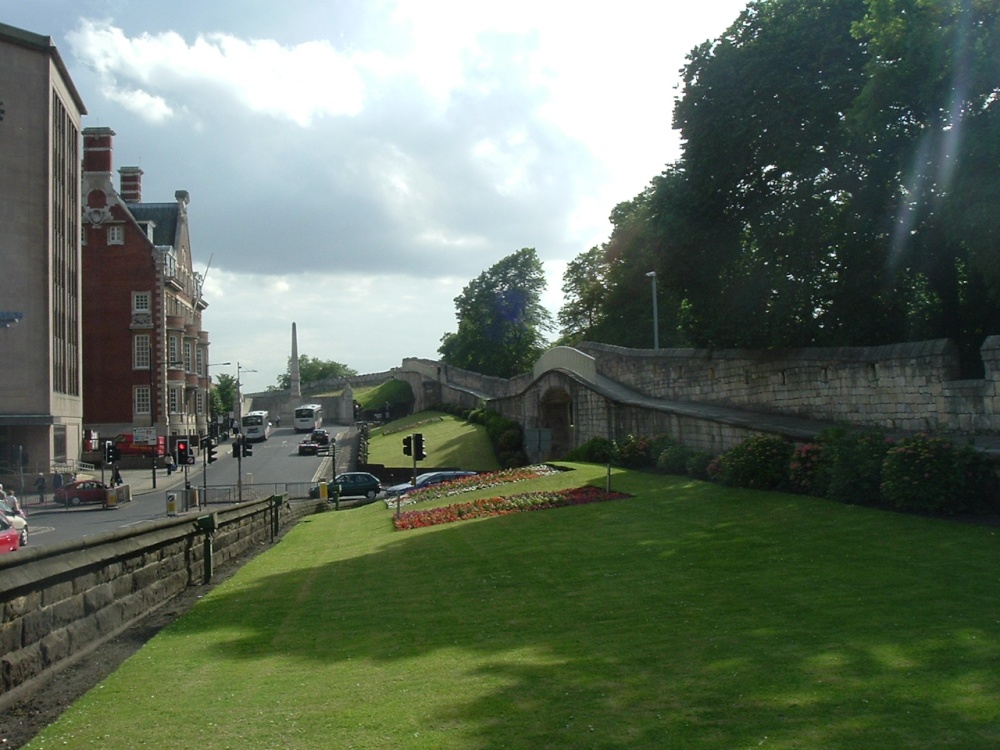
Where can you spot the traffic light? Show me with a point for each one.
(110, 452)
(237, 451)
(183, 451)
(418, 446)
(247, 448)
(408, 445)
(208, 446)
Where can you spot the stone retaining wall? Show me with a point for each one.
(58, 603)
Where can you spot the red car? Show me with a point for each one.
(82, 491)
(10, 538)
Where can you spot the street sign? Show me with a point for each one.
(144, 435)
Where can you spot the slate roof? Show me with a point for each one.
(163, 215)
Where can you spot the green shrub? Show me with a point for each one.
(634, 453)
(595, 451)
(697, 464)
(978, 483)
(851, 469)
(674, 459)
(927, 473)
(806, 474)
(760, 462)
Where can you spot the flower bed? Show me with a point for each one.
(471, 484)
(499, 506)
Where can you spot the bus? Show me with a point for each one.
(308, 417)
(256, 425)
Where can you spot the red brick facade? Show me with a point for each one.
(146, 353)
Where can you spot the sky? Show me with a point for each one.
(353, 164)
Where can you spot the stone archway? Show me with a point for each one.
(555, 413)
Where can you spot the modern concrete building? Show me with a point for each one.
(147, 353)
(41, 357)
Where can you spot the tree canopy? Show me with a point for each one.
(501, 320)
(839, 172)
(313, 370)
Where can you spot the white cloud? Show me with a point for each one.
(300, 83)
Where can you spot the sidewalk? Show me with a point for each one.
(139, 480)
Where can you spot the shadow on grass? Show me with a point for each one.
(688, 616)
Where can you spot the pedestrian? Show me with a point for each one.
(116, 478)
(277, 421)
(57, 481)
(2, 493)
(40, 486)
(168, 461)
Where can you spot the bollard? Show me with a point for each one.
(171, 504)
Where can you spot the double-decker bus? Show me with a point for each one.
(256, 425)
(308, 417)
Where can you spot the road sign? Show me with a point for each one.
(144, 435)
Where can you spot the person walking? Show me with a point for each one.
(168, 461)
(116, 478)
(40, 486)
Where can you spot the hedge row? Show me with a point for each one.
(923, 473)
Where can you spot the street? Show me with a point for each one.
(274, 464)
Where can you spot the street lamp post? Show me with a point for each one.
(656, 317)
(153, 393)
(242, 437)
(206, 447)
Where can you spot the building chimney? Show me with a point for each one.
(131, 184)
(97, 149)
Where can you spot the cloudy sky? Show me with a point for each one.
(353, 164)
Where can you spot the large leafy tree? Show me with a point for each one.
(584, 288)
(838, 183)
(223, 395)
(313, 370)
(778, 219)
(501, 320)
(932, 101)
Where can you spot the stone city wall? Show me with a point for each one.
(899, 387)
(59, 603)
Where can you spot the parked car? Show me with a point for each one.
(353, 484)
(82, 491)
(426, 480)
(18, 520)
(10, 539)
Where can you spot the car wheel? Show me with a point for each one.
(74, 501)
(24, 537)
(371, 494)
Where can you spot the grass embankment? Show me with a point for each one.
(448, 440)
(688, 616)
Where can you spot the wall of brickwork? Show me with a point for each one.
(58, 603)
(615, 392)
(899, 387)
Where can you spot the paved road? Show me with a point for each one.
(274, 465)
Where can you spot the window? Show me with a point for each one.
(116, 234)
(200, 359)
(174, 356)
(200, 404)
(141, 302)
(175, 400)
(187, 357)
(140, 352)
(141, 405)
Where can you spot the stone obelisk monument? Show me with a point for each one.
(295, 385)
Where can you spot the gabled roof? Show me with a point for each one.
(164, 216)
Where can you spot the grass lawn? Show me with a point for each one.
(448, 440)
(688, 616)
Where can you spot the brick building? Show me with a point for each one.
(146, 351)
(41, 359)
